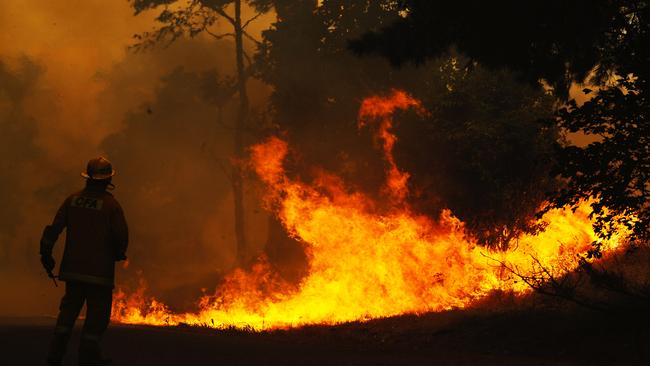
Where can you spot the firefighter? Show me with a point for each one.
(96, 237)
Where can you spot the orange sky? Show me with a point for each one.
(72, 40)
(78, 41)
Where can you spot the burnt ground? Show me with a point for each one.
(529, 337)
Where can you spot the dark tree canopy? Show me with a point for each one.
(556, 40)
(485, 150)
(561, 42)
(616, 168)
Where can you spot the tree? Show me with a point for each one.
(615, 168)
(494, 184)
(192, 17)
(562, 43)
(485, 151)
(558, 41)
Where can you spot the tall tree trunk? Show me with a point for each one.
(242, 119)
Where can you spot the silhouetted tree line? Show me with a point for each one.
(194, 17)
(484, 151)
(491, 148)
(603, 42)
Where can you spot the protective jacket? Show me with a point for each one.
(96, 236)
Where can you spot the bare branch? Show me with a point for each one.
(225, 15)
(537, 284)
(545, 270)
(219, 36)
(258, 43)
(249, 21)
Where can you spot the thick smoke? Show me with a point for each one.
(154, 116)
(18, 149)
(173, 156)
(24, 187)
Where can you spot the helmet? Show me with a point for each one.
(98, 169)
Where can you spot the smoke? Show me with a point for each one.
(173, 181)
(70, 90)
(24, 184)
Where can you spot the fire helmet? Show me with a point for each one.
(98, 169)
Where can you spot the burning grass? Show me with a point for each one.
(367, 263)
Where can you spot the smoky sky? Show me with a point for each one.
(70, 89)
(78, 43)
(173, 156)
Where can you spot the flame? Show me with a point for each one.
(382, 109)
(366, 264)
(131, 307)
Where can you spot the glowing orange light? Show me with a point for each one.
(364, 264)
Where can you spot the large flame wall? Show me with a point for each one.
(364, 263)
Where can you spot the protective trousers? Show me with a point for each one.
(98, 301)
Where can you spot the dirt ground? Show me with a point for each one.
(453, 338)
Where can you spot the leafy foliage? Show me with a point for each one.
(616, 168)
(562, 43)
(555, 40)
(190, 18)
(485, 151)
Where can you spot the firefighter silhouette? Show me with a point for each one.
(96, 237)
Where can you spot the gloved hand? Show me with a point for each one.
(48, 262)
